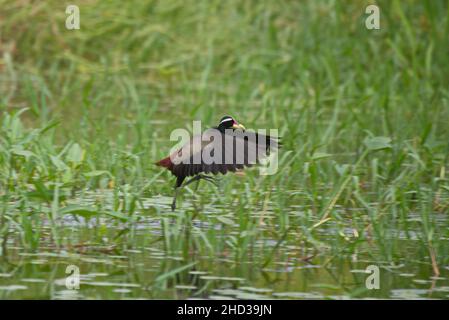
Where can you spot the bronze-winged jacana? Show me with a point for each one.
(227, 147)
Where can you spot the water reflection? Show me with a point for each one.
(166, 259)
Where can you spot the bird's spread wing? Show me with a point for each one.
(216, 152)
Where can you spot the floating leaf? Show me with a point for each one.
(225, 220)
(341, 169)
(377, 143)
(320, 155)
(116, 215)
(58, 163)
(78, 210)
(24, 153)
(96, 173)
(75, 154)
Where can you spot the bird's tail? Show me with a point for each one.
(166, 163)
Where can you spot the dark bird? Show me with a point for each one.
(227, 147)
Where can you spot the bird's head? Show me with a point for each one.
(228, 122)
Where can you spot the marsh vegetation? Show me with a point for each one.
(364, 120)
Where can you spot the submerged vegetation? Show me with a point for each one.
(362, 180)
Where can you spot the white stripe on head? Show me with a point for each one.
(226, 120)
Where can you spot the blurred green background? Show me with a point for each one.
(363, 115)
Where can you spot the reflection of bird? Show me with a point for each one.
(227, 147)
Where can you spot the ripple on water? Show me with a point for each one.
(13, 287)
(122, 271)
(408, 293)
(298, 295)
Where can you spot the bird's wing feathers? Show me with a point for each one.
(215, 152)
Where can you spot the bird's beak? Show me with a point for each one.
(238, 126)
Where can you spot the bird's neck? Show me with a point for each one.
(220, 128)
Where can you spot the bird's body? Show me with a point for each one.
(226, 148)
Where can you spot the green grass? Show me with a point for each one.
(92, 109)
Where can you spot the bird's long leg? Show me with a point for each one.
(180, 180)
(173, 204)
(195, 178)
(210, 179)
(178, 184)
